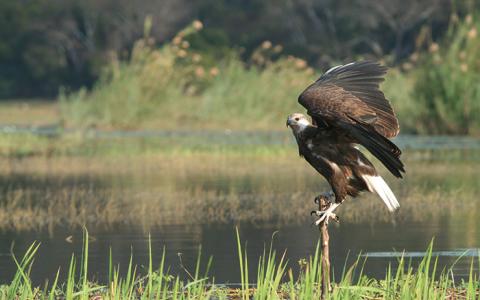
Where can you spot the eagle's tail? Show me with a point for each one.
(376, 184)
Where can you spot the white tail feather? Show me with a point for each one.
(376, 184)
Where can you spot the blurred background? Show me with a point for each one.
(118, 64)
(167, 117)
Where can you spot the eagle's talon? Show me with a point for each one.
(327, 214)
(322, 216)
(326, 217)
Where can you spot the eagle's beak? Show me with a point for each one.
(288, 122)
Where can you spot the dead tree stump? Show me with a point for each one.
(323, 204)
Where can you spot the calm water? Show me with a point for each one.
(379, 241)
(438, 201)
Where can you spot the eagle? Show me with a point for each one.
(347, 109)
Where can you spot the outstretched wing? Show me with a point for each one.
(347, 99)
(349, 92)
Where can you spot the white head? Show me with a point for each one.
(298, 122)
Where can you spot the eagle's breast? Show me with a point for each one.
(310, 144)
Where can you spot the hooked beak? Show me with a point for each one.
(288, 122)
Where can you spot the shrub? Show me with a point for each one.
(174, 86)
(447, 87)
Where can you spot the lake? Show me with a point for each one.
(187, 199)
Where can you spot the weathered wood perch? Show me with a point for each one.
(323, 204)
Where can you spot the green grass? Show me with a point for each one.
(85, 144)
(275, 281)
(28, 112)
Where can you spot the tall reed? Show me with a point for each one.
(275, 281)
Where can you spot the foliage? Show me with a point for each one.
(174, 86)
(178, 87)
(47, 44)
(196, 81)
(398, 89)
(43, 46)
(325, 31)
(447, 85)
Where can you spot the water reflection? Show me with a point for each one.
(153, 190)
(380, 242)
(420, 254)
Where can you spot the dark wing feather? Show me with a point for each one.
(381, 147)
(351, 90)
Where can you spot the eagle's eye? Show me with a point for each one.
(297, 119)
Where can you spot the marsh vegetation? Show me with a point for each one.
(188, 190)
(274, 279)
(175, 146)
(104, 182)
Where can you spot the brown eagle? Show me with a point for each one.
(348, 108)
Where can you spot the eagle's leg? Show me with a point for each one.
(329, 196)
(325, 212)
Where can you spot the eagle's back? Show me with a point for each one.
(352, 90)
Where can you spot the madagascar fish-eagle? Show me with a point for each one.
(347, 109)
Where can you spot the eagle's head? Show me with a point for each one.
(298, 122)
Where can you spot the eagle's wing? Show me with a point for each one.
(347, 98)
(348, 92)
